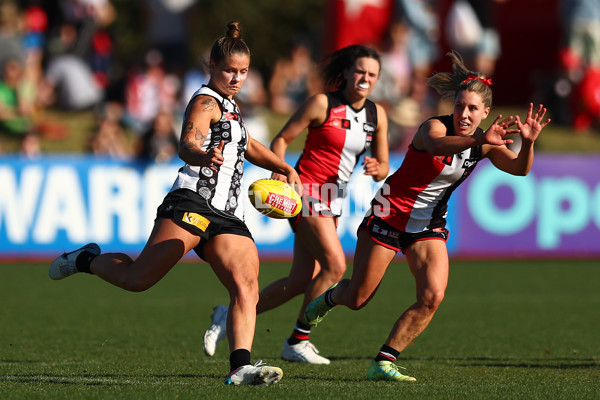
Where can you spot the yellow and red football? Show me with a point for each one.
(275, 199)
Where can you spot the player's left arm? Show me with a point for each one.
(378, 165)
(520, 164)
(261, 156)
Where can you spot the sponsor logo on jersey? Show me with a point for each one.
(369, 128)
(229, 116)
(446, 159)
(341, 123)
(338, 110)
(469, 163)
(196, 220)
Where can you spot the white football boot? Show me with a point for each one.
(64, 265)
(217, 330)
(304, 351)
(257, 374)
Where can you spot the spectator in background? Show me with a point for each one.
(293, 79)
(396, 70)
(580, 60)
(79, 28)
(101, 58)
(71, 84)
(110, 140)
(394, 89)
(159, 143)
(252, 99)
(193, 78)
(31, 146)
(22, 46)
(480, 42)
(167, 31)
(34, 41)
(16, 99)
(35, 24)
(147, 91)
(422, 21)
(10, 35)
(86, 17)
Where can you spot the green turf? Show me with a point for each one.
(506, 330)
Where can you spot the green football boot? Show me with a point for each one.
(387, 371)
(317, 309)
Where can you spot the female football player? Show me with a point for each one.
(342, 125)
(409, 212)
(203, 210)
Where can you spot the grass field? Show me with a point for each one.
(506, 330)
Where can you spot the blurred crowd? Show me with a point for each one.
(58, 55)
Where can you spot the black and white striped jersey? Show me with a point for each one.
(221, 189)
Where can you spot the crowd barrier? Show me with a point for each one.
(59, 202)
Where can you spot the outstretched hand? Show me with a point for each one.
(495, 133)
(533, 124)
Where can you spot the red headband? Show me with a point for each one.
(487, 81)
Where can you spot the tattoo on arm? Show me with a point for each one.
(192, 137)
(209, 105)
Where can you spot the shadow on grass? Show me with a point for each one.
(86, 379)
(535, 363)
(554, 363)
(106, 379)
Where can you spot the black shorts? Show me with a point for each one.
(390, 237)
(194, 214)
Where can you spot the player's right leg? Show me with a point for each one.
(257, 374)
(316, 244)
(234, 259)
(371, 260)
(387, 371)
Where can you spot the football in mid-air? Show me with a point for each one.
(275, 199)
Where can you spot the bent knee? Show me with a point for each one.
(245, 291)
(432, 299)
(356, 302)
(338, 272)
(335, 270)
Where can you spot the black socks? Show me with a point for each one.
(328, 299)
(83, 261)
(387, 353)
(301, 332)
(239, 358)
